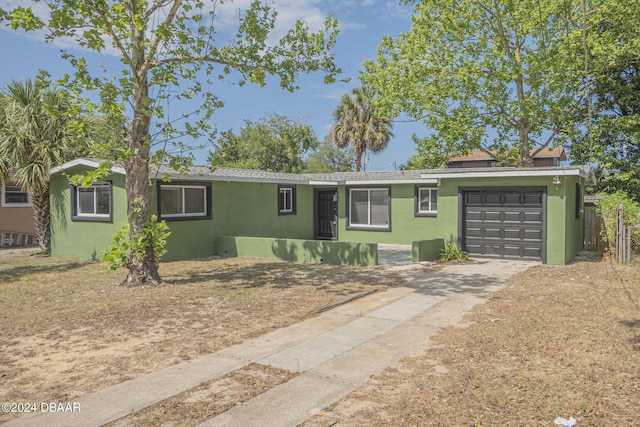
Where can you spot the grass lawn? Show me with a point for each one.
(67, 328)
(557, 341)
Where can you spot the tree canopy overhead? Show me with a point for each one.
(275, 143)
(483, 75)
(612, 139)
(171, 49)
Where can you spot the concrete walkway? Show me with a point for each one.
(334, 352)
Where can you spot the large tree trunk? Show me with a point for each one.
(525, 148)
(42, 219)
(143, 268)
(523, 126)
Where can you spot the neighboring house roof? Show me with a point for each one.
(558, 152)
(204, 173)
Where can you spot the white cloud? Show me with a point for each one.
(289, 11)
(313, 12)
(334, 94)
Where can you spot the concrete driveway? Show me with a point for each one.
(333, 352)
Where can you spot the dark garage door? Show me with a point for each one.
(504, 223)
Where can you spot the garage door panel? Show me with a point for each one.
(512, 251)
(504, 224)
(532, 252)
(474, 232)
(513, 217)
(513, 233)
(474, 214)
(532, 234)
(473, 198)
(493, 199)
(533, 199)
(532, 216)
(492, 215)
(512, 199)
(492, 250)
(495, 233)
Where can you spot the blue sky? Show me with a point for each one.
(362, 23)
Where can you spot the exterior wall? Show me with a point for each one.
(17, 219)
(575, 222)
(564, 232)
(405, 226)
(238, 209)
(318, 251)
(83, 239)
(557, 235)
(251, 210)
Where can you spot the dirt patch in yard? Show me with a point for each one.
(557, 341)
(212, 398)
(67, 328)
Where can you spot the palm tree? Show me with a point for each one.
(358, 123)
(35, 135)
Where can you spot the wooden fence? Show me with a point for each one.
(593, 226)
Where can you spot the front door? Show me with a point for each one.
(327, 214)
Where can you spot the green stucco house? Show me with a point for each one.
(530, 214)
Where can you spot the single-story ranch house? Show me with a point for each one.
(531, 213)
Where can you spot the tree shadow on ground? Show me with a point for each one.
(16, 273)
(280, 275)
(635, 325)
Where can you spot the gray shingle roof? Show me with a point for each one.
(367, 176)
(205, 173)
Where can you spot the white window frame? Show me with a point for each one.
(370, 226)
(184, 201)
(6, 204)
(419, 209)
(289, 194)
(94, 214)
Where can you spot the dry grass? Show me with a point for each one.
(212, 398)
(556, 341)
(67, 328)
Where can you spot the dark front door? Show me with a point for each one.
(327, 214)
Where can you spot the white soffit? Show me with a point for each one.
(392, 181)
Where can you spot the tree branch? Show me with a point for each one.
(157, 5)
(110, 29)
(156, 41)
(206, 58)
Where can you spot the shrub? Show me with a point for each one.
(608, 210)
(451, 252)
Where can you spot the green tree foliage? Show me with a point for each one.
(329, 158)
(169, 50)
(608, 209)
(482, 75)
(122, 249)
(613, 144)
(275, 143)
(38, 130)
(359, 123)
